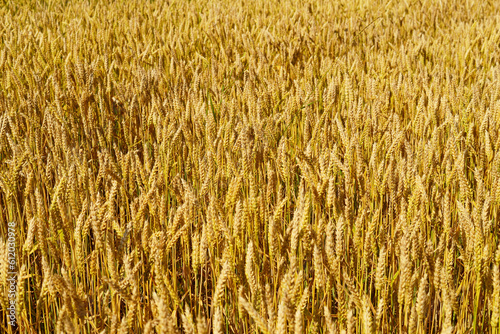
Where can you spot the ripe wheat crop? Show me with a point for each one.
(256, 166)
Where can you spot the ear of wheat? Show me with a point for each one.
(259, 166)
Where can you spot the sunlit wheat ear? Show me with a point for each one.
(184, 167)
(495, 315)
(422, 298)
(222, 279)
(380, 276)
(259, 321)
(281, 320)
(217, 321)
(367, 316)
(187, 321)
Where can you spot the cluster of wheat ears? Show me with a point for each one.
(256, 166)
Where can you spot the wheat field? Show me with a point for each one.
(257, 166)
